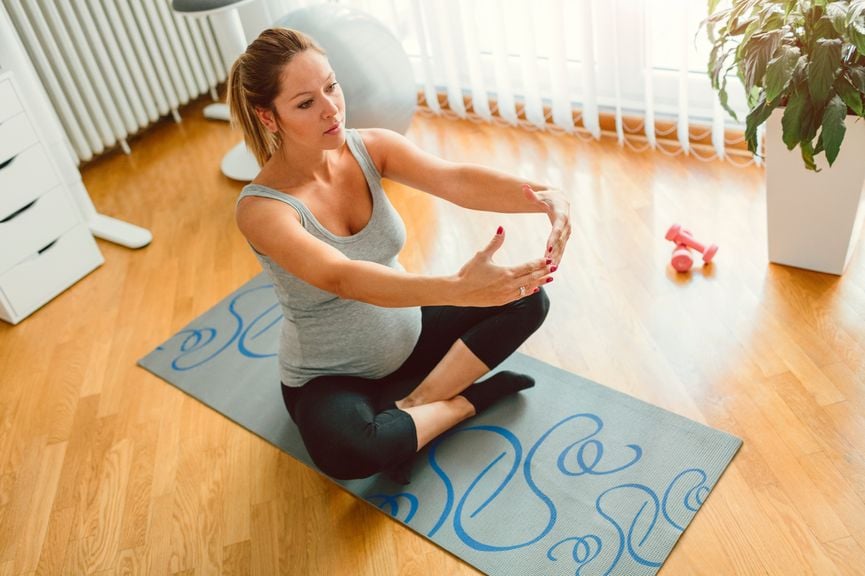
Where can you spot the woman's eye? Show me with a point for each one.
(306, 104)
(332, 87)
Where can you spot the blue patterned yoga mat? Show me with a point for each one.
(566, 478)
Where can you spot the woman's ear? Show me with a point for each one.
(267, 118)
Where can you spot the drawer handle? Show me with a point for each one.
(48, 247)
(7, 163)
(18, 212)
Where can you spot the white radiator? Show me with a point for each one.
(112, 67)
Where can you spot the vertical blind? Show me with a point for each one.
(634, 70)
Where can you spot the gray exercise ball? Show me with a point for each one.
(370, 64)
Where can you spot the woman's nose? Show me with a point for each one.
(330, 108)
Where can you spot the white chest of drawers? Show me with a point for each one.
(45, 246)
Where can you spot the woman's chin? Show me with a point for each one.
(333, 140)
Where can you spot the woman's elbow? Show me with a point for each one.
(345, 286)
(342, 288)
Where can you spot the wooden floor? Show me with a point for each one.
(105, 468)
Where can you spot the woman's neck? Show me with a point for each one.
(294, 168)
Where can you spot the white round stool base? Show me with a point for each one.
(119, 232)
(239, 163)
(217, 111)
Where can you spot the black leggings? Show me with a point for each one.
(350, 426)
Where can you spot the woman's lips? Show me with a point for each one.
(333, 129)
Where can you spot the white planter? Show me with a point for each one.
(814, 217)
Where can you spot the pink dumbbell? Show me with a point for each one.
(679, 236)
(682, 259)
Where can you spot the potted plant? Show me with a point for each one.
(802, 64)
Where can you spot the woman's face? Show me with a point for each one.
(310, 104)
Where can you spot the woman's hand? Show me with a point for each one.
(480, 282)
(554, 204)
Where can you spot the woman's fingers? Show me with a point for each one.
(497, 240)
(533, 196)
(557, 208)
(557, 241)
(528, 268)
(530, 277)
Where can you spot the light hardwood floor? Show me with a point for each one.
(107, 469)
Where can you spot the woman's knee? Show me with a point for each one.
(537, 306)
(349, 461)
(349, 453)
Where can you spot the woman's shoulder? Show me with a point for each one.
(378, 137)
(379, 142)
(254, 191)
(256, 200)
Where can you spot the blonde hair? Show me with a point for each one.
(254, 83)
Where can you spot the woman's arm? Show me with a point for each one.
(274, 229)
(467, 185)
(470, 185)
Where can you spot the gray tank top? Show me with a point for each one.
(323, 334)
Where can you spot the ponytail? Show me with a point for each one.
(259, 140)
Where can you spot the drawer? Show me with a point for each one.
(9, 103)
(30, 229)
(16, 134)
(47, 273)
(25, 177)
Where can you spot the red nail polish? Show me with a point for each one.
(536, 290)
(553, 268)
(500, 230)
(550, 249)
(549, 261)
(549, 279)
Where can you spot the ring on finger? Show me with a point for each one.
(522, 291)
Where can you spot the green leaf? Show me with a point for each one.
(757, 54)
(808, 155)
(745, 43)
(820, 29)
(771, 17)
(849, 95)
(758, 114)
(779, 71)
(801, 118)
(812, 115)
(818, 148)
(857, 76)
(710, 24)
(754, 96)
(739, 27)
(857, 38)
(800, 73)
(713, 65)
(722, 97)
(824, 68)
(716, 66)
(856, 18)
(837, 14)
(833, 127)
(791, 122)
(741, 8)
(738, 9)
